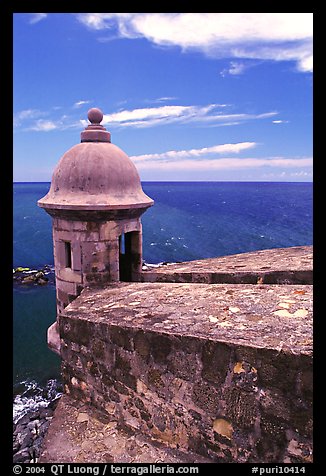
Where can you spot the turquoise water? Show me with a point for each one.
(34, 312)
(188, 221)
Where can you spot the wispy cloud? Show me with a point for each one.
(50, 120)
(36, 120)
(280, 121)
(196, 153)
(44, 125)
(26, 114)
(302, 174)
(235, 69)
(266, 36)
(153, 116)
(223, 163)
(36, 17)
(150, 116)
(164, 99)
(209, 158)
(211, 115)
(287, 174)
(78, 104)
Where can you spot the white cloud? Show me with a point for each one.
(164, 99)
(44, 126)
(224, 163)
(44, 121)
(235, 69)
(195, 153)
(302, 173)
(26, 114)
(211, 115)
(99, 21)
(276, 175)
(80, 103)
(300, 52)
(36, 17)
(146, 117)
(151, 113)
(267, 36)
(207, 159)
(152, 116)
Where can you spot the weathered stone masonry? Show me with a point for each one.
(215, 370)
(95, 201)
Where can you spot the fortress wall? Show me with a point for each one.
(224, 371)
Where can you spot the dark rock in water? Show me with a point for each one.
(15, 446)
(37, 443)
(32, 276)
(24, 439)
(33, 426)
(33, 415)
(19, 429)
(23, 420)
(28, 279)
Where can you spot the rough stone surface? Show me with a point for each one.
(80, 434)
(263, 316)
(222, 371)
(292, 265)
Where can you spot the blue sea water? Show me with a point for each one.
(190, 220)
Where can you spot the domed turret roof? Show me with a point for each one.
(95, 175)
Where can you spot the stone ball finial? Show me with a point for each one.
(95, 132)
(95, 115)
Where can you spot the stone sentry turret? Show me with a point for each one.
(96, 201)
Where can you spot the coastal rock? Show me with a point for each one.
(22, 422)
(24, 439)
(29, 432)
(22, 456)
(29, 276)
(28, 279)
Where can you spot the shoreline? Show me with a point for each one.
(29, 432)
(33, 412)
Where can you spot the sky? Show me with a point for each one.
(188, 96)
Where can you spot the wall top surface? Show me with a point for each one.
(273, 317)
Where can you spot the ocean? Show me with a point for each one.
(189, 220)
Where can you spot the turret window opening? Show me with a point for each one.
(125, 257)
(68, 254)
(122, 244)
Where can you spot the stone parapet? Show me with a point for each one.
(223, 371)
(292, 265)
